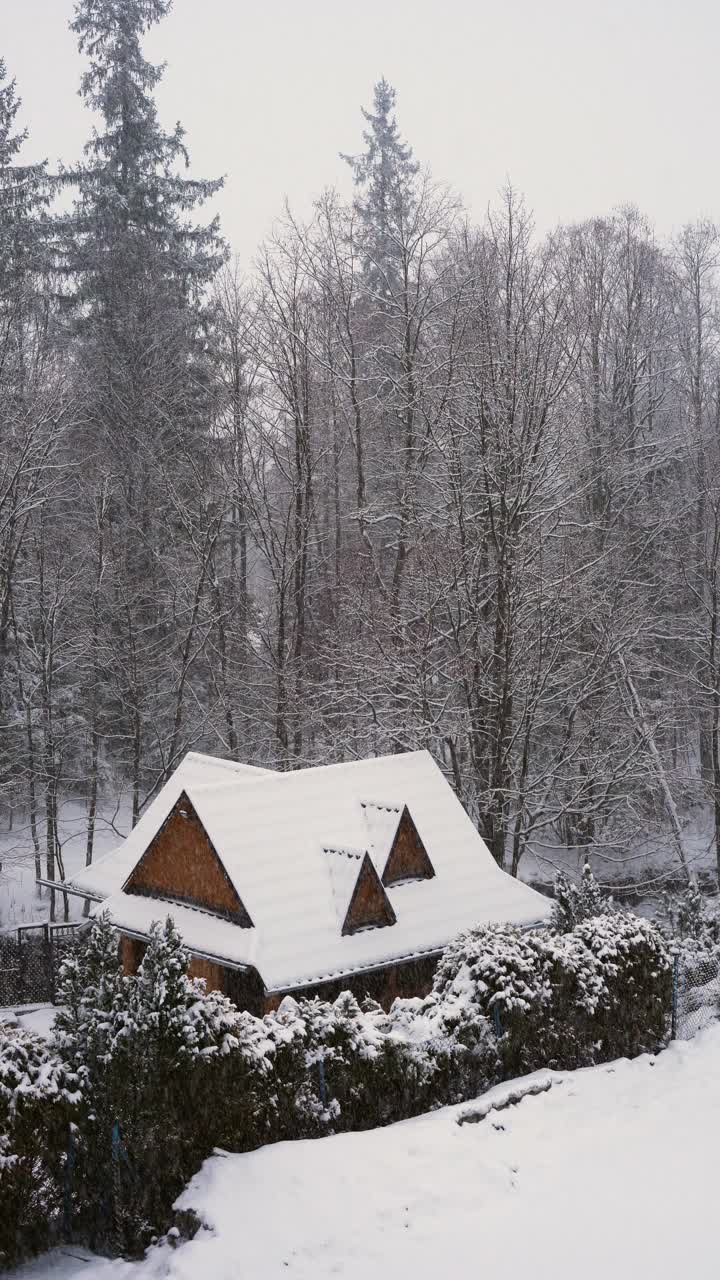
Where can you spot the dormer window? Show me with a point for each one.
(398, 851)
(360, 899)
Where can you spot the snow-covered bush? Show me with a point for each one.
(578, 901)
(539, 989)
(635, 965)
(334, 1080)
(361, 1067)
(689, 918)
(170, 1038)
(168, 1070)
(564, 999)
(448, 1049)
(157, 1056)
(38, 1102)
(691, 922)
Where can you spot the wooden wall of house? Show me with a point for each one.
(410, 978)
(243, 987)
(180, 863)
(132, 951)
(213, 973)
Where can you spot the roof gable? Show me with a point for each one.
(395, 844)
(360, 900)
(107, 874)
(408, 858)
(380, 821)
(270, 832)
(182, 864)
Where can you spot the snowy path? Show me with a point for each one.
(613, 1174)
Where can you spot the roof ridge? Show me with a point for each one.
(266, 777)
(232, 766)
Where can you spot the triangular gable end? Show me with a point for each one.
(369, 905)
(182, 864)
(408, 858)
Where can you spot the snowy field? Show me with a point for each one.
(610, 1175)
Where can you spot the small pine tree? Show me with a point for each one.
(89, 993)
(576, 902)
(172, 1042)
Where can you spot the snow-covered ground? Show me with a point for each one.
(19, 899)
(610, 1175)
(37, 1018)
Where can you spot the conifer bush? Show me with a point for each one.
(39, 1098)
(156, 1055)
(165, 1071)
(574, 901)
(635, 965)
(539, 989)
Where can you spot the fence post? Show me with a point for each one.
(116, 1189)
(497, 1025)
(322, 1081)
(675, 988)
(68, 1189)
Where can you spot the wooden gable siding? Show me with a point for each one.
(182, 864)
(369, 906)
(408, 858)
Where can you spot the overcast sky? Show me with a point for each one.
(583, 105)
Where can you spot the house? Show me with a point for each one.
(347, 876)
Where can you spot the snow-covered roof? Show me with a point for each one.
(109, 873)
(273, 832)
(381, 822)
(343, 867)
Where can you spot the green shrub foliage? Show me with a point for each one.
(564, 1000)
(38, 1100)
(578, 901)
(636, 969)
(154, 1072)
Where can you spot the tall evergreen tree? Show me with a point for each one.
(138, 264)
(133, 207)
(25, 436)
(22, 197)
(384, 176)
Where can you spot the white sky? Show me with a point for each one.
(583, 105)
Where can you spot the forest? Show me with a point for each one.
(411, 480)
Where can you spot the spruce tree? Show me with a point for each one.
(384, 175)
(134, 209)
(23, 196)
(137, 262)
(25, 436)
(577, 902)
